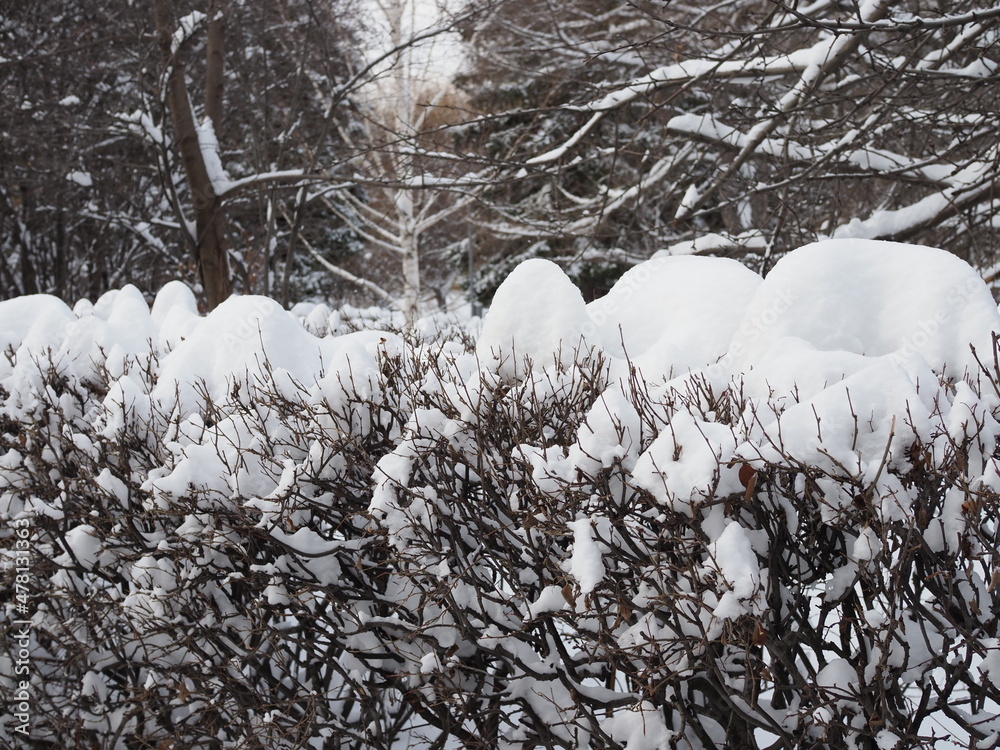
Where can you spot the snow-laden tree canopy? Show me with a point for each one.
(705, 510)
(742, 128)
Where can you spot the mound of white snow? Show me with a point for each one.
(120, 331)
(841, 350)
(674, 313)
(175, 312)
(537, 313)
(871, 299)
(32, 325)
(244, 342)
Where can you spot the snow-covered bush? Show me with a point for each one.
(707, 510)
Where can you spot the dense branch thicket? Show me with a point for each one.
(414, 548)
(736, 128)
(92, 188)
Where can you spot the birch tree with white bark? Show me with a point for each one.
(415, 182)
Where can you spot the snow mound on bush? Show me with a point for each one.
(674, 313)
(119, 334)
(825, 312)
(842, 347)
(34, 322)
(868, 298)
(537, 313)
(30, 326)
(245, 341)
(175, 313)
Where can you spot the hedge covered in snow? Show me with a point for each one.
(706, 510)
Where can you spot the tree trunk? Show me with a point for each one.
(29, 281)
(215, 64)
(210, 250)
(286, 274)
(411, 278)
(61, 259)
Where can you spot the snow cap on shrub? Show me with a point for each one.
(244, 340)
(30, 325)
(871, 298)
(175, 312)
(36, 321)
(674, 313)
(537, 313)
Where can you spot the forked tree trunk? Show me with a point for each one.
(210, 248)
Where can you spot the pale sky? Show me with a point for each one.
(436, 58)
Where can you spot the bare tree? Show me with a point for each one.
(104, 198)
(208, 241)
(740, 128)
(417, 183)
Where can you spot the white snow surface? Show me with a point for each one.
(685, 462)
(244, 340)
(872, 299)
(674, 313)
(83, 179)
(538, 314)
(209, 144)
(586, 564)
